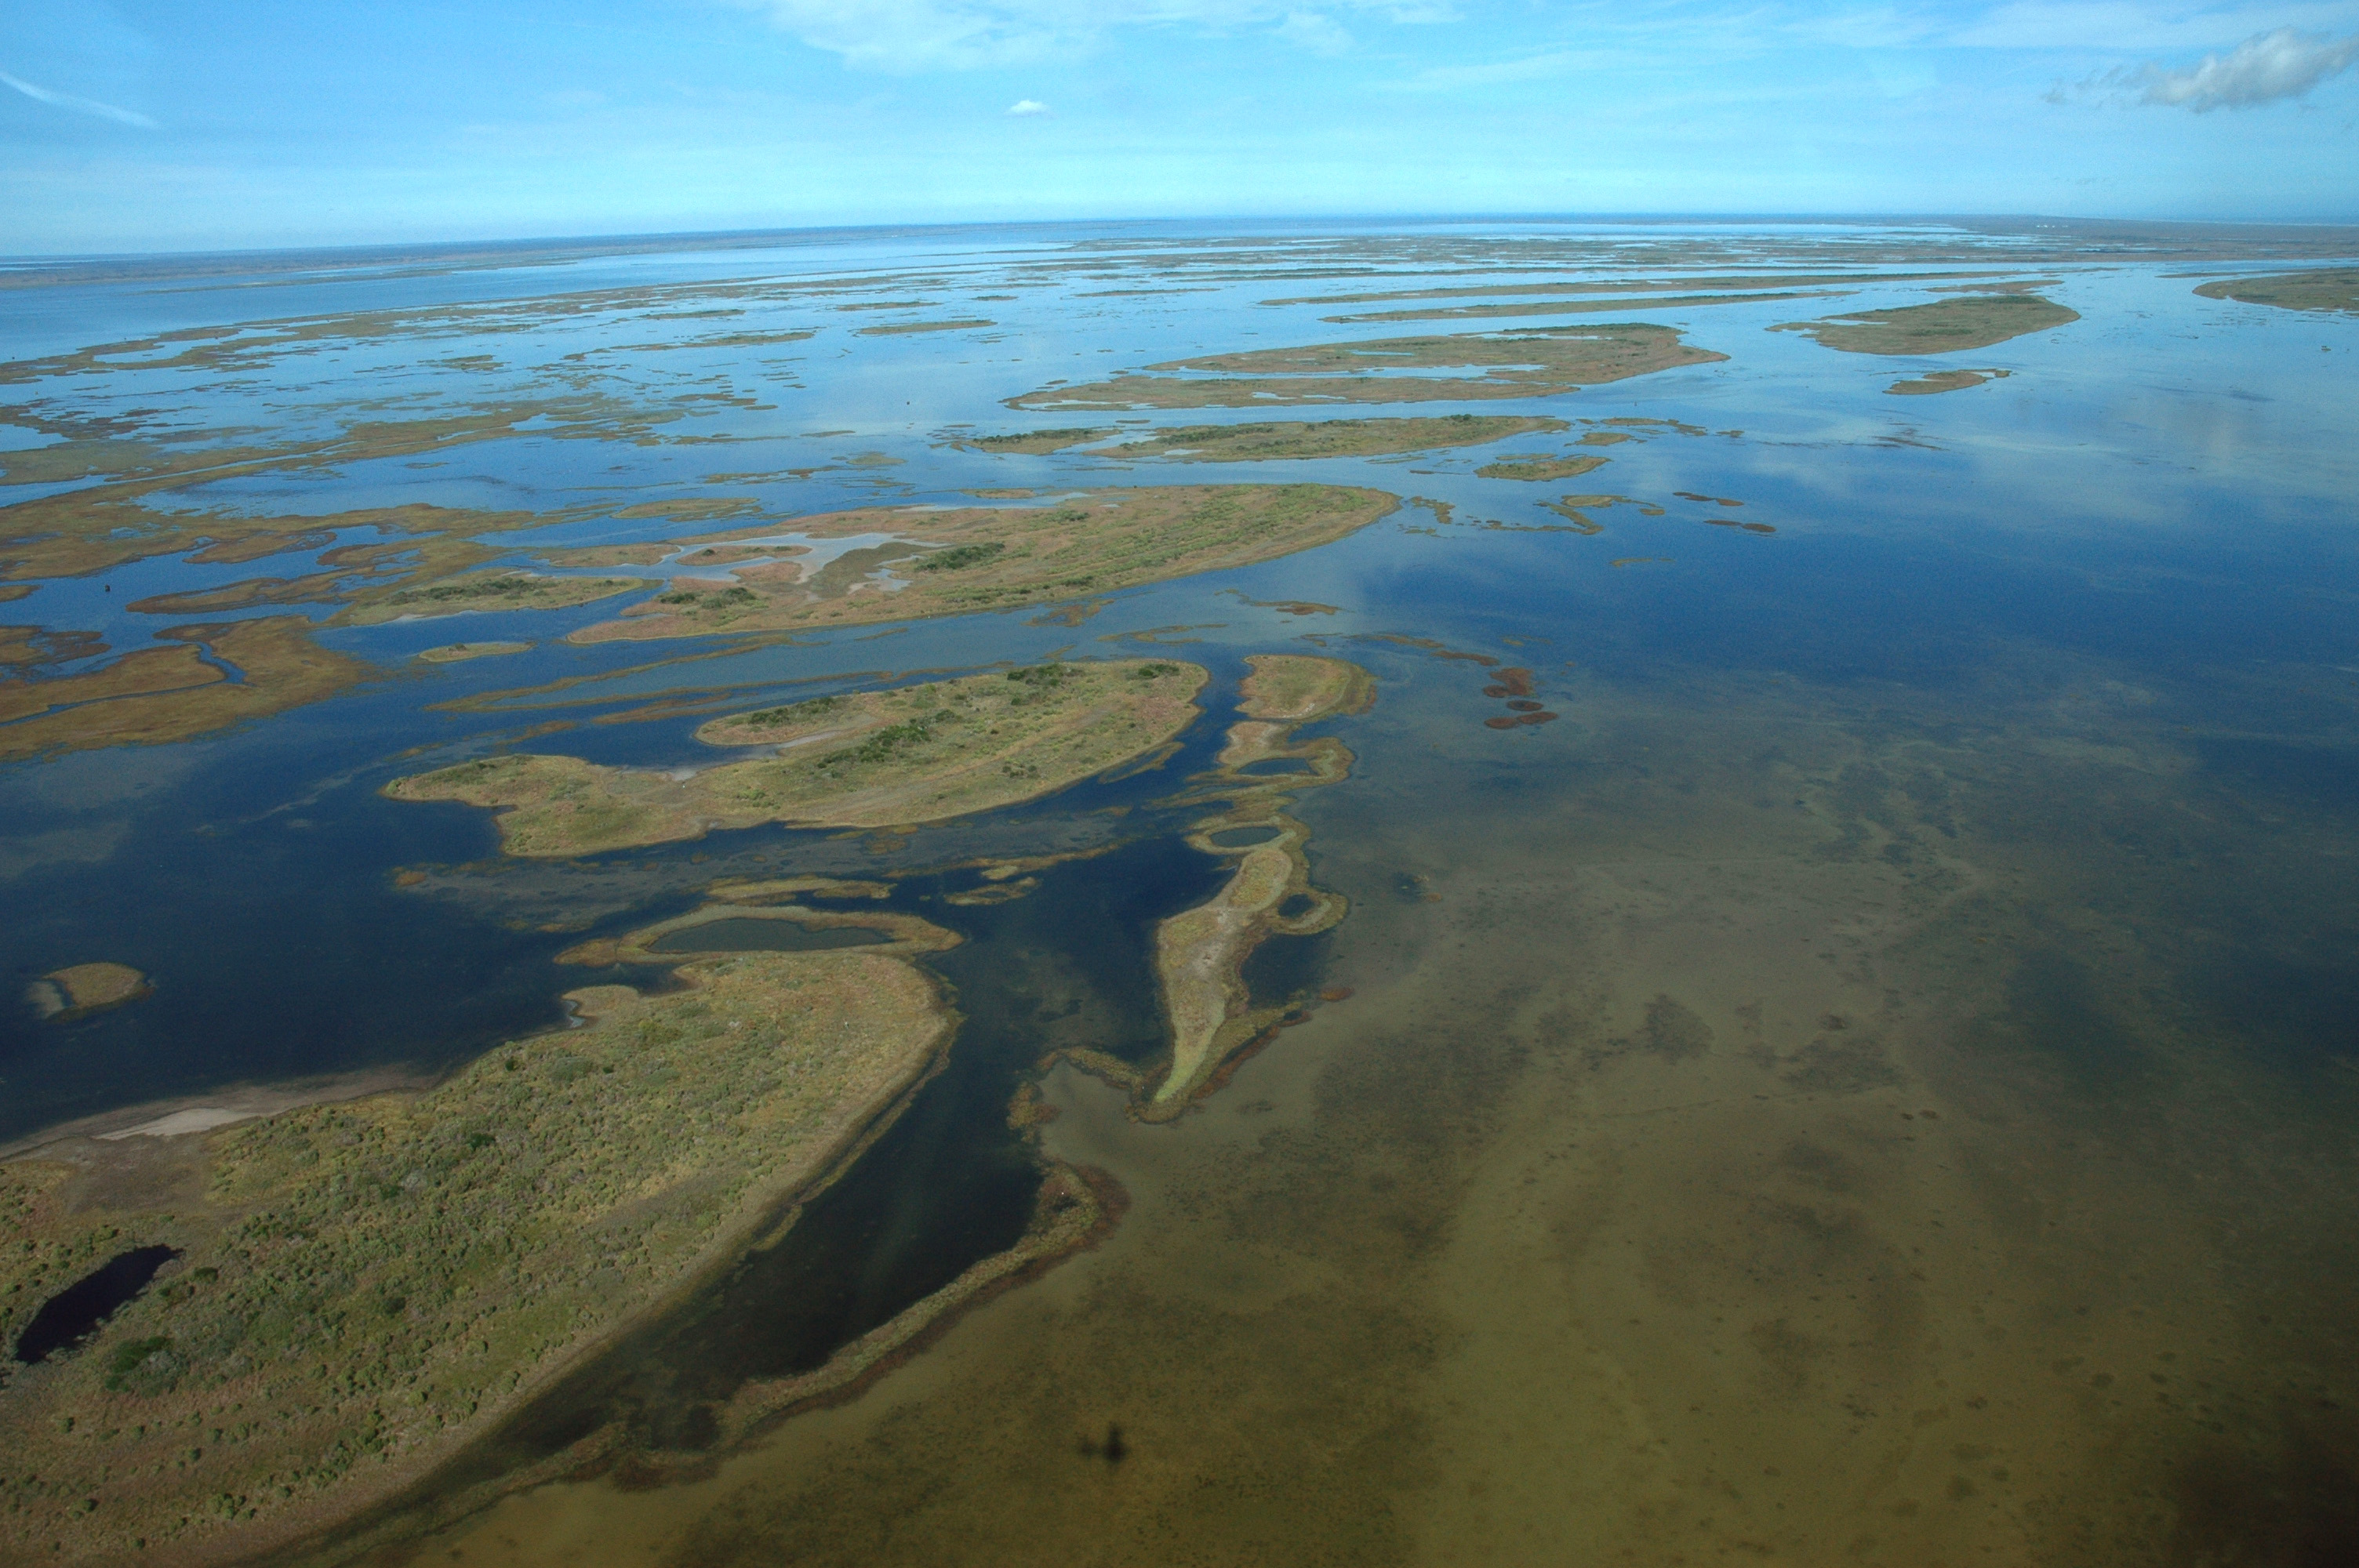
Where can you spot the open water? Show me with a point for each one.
(1875, 1080)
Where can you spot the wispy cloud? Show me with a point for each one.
(1310, 30)
(958, 35)
(2118, 26)
(1024, 108)
(79, 105)
(2266, 68)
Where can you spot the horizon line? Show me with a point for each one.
(21, 263)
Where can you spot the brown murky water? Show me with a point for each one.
(1806, 1126)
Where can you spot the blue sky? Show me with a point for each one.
(133, 126)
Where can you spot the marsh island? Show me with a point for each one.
(357, 1288)
(910, 755)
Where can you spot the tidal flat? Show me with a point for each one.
(1796, 1010)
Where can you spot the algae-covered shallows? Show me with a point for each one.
(364, 1286)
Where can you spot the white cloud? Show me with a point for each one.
(1024, 107)
(2264, 69)
(956, 35)
(80, 105)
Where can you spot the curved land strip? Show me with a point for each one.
(1946, 325)
(1287, 439)
(364, 1286)
(1200, 954)
(160, 695)
(2330, 288)
(875, 759)
(1945, 381)
(961, 560)
(1539, 361)
(899, 936)
(77, 991)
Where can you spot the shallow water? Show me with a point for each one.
(1874, 1080)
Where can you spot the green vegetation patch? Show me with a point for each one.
(1532, 363)
(1539, 466)
(962, 561)
(492, 590)
(2330, 288)
(875, 759)
(1946, 325)
(367, 1284)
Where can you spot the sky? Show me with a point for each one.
(138, 125)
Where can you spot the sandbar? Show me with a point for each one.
(364, 1286)
(879, 759)
(64, 995)
(458, 653)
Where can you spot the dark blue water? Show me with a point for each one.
(75, 1313)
